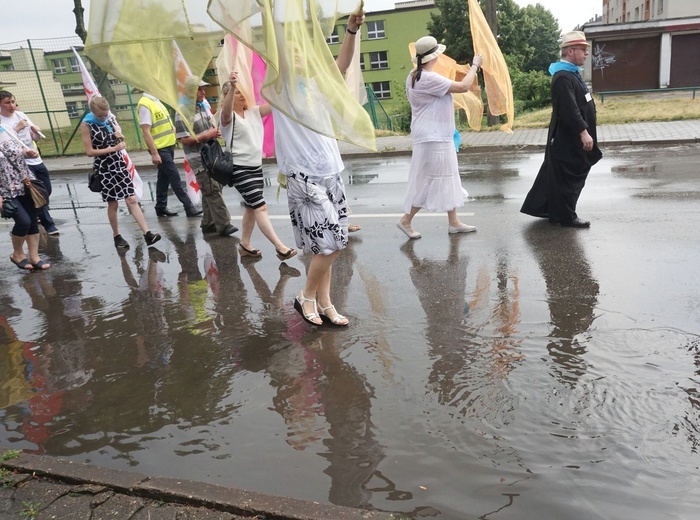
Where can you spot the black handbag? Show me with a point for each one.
(95, 182)
(217, 162)
(9, 208)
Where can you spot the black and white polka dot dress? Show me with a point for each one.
(116, 182)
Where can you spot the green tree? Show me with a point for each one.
(529, 35)
(540, 32)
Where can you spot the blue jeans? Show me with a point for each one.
(169, 176)
(42, 173)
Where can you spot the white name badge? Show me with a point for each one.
(589, 98)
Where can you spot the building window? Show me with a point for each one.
(8, 66)
(378, 60)
(381, 89)
(121, 108)
(375, 30)
(59, 66)
(115, 82)
(74, 65)
(72, 86)
(362, 62)
(661, 7)
(333, 38)
(74, 109)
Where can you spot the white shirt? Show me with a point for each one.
(25, 135)
(432, 108)
(247, 137)
(303, 150)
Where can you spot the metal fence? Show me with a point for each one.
(44, 76)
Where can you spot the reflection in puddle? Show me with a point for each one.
(527, 368)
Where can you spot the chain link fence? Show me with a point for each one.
(44, 76)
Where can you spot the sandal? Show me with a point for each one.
(40, 266)
(286, 256)
(244, 251)
(337, 321)
(299, 302)
(22, 264)
(353, 228)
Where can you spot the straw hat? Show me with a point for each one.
(428, 49)
(573, 38)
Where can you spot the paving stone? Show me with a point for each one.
(39, 492)
(118, 507)
(101, 498)
(154, 511)
(194, 513)
(69, 507)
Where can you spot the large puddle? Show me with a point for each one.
(525, 371)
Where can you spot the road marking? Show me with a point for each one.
(355, 216)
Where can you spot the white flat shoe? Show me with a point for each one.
(461, 229)
(409, 232)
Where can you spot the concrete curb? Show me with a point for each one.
(185, 492)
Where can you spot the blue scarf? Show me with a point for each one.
(563, 65)
(90, 118)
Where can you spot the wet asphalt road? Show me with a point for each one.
(529, 369)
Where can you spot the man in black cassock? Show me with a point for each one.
(571, 142)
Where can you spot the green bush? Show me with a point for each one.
(531, 90)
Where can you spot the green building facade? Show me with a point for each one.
(385, 58)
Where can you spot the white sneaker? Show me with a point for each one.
(461, 229)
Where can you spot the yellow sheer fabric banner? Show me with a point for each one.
(499, 89)
(302, 79)
(470, 101)
(161, 47)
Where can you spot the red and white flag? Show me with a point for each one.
(193, 191)
(91, 91)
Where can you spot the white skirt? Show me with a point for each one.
(433, 178)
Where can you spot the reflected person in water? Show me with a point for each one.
(572, 295)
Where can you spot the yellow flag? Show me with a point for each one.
(302, 80)
(499, 89)
(152, 44)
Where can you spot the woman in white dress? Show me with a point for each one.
(433, 179)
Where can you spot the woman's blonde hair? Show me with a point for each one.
(98, 103)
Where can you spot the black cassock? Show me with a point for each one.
(566, 165)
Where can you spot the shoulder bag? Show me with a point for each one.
(218, 162)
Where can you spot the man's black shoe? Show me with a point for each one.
(166, 213)
(228, 230)
(577, 223)
(194, 212)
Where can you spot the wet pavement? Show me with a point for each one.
(524, 371)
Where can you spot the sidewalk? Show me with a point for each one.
(671, 132)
